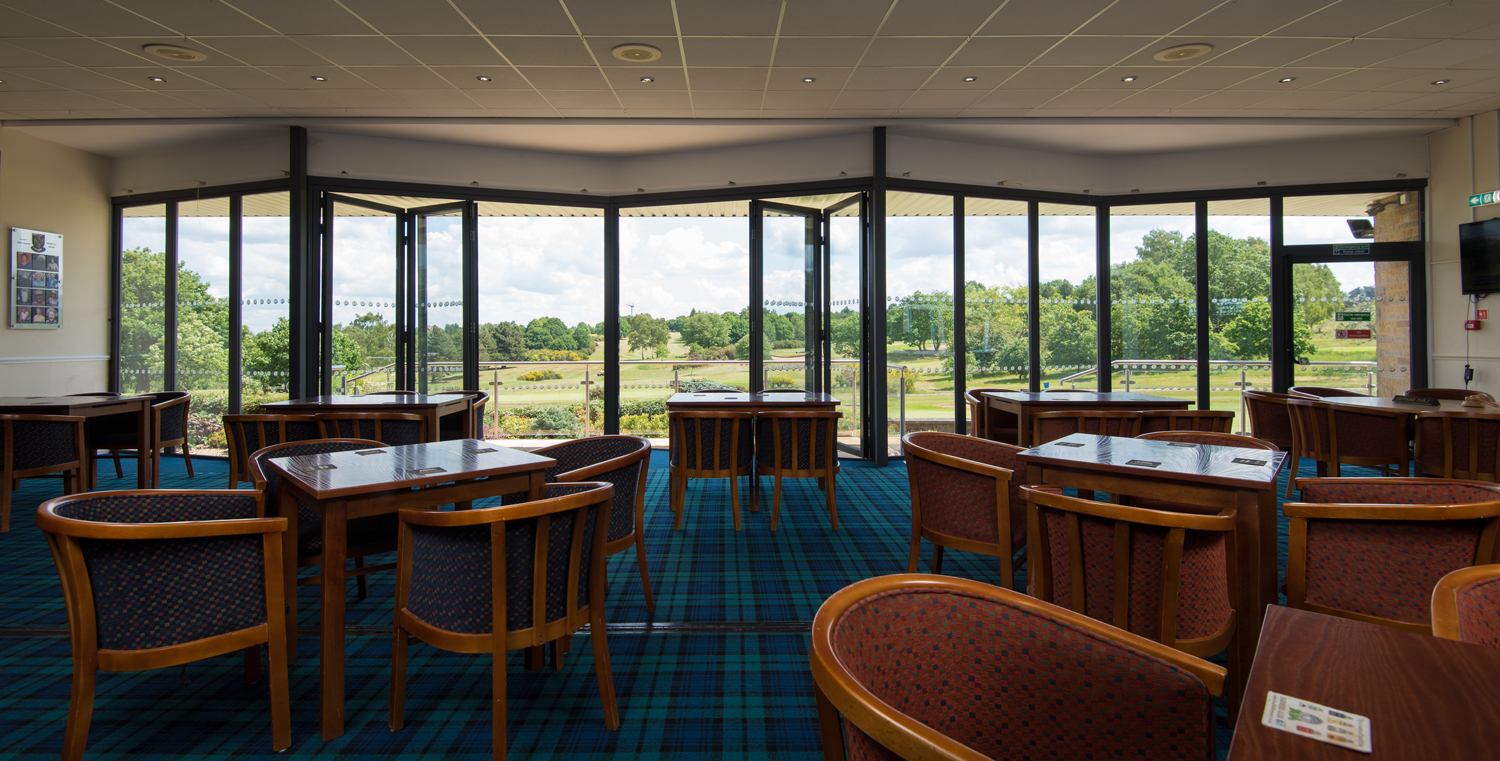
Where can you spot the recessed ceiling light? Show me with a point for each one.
(156, 79)
(636, 52)
(1287, 79)
(1183, 52)
(809, 79)
(320, 79)
(1127, 79)
(648, 79)
(175, 53)
(971, 79)
(1441, 82)
(482, 78)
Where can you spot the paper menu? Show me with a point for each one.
(1300, 717)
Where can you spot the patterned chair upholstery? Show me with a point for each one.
(799, 444)
(1452, 394)
(1001, 675)
(1271, 420)
(1348, 534)
(1216, 421)
(449, 427)
(1177, 557)
(160, 578)
(1466, 606)
(251, 433)
(1459, 445)
(169, 418)
(549, 550)
(965, 494)
(985, 423)
(390, 428)
(1050, 426)
(1321, 392)
(39, 445)
(1333, 435)
(1204, 438)
(711, 444)
(624, 462)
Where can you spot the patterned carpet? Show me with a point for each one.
(727, 677)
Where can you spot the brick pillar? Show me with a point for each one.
(1392, 319)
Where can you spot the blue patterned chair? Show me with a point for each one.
(248, 434)
(505, 578)
(38, 445)
(168, 420)
(1466, 606)
(711, 444)
(965, 494)
(1373, 549)
(1001, 675)
(159, 578)
(799, 444)
(449, 427)
(391, 428)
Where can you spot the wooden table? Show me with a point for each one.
(1022, 405)
(97, 409)
(759, 401)
(1200, 475)
(1386, 403)
(431, 406)
(1426, 698)
(348, 485)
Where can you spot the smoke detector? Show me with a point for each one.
(1183, 52)
(175, 53)
(636, 52)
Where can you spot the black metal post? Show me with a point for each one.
(169, 317)
(302, 315)
(1033, 294)
(1281, 357)
(1103, 313)
(959, 342)
(880, 415)
(612, 320)
(236, 299)
(1205, 306)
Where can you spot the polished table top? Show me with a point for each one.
(343, 474)
(368, 400)
(1427, 698)
(1193, 462)
(1081, 397)
(1386, 403)
(18, 402)
(758, 398)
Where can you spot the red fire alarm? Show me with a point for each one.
(1471, 325)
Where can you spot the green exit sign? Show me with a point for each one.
(1484, 199)
(1351, 316)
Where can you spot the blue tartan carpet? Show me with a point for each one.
(735, 686)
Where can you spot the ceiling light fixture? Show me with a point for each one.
(648, 79)
(175, 53)
(1441, 82)
(971, 79)
(156, 79)
(1287, 79)
(482, 78)
(636, 52)
(809, 79)
(1183, 52)
(320, 79)
(1127, 79)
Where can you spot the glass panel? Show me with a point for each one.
(919, 313)
(439, 302)
(1153, 300)
(203, 319)
(789, 285)
(265, 253)
(1239, 291)
(997, 331)
(363, 355)
(1382, 217)
(541, 314)
(844, 305)
(676, 263)
(1345, 315)
(1068, 307)
(143, 295)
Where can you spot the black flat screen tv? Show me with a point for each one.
(1479, 256)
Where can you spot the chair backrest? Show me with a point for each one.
(1321, 392)
(990, 659)
(169, 416)
(1050, 426)
(548, 551)
(1209, 438)
(797, 443)
(978, 418)
(195, 565)
(477, 402)
(389, 393)
(267, 480)
(1466, 606)
(622, 461)
(1331, 432)
(393, 428)
(1372, 549)
(97, 393)
(968, 489)
(40, 444)
(249, 433)
(1454, 394)
(1218, 421)
(1270, 418)
(711, 443)
(1459, 444)
(1161, 575)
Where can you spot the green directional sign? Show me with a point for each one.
(1484, 199)
(1351, 316)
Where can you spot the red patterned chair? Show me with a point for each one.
(1001, 675)
(711, 444)
(799, 444)
(1271, 420)
(1453, 394)
(1372, 549)
(985, 423)
(1466, 606)
(1458, 445)
(1217, 421)
(505, 578)
(248, 434)
(38, 445)
(965, 494)
(1333, 435)
(159, 578)
(1050, 426)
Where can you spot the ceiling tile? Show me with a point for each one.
(659, 113)
(303, 16)
(1271, 51)
(471, 50)
(445, 98)
(1444, 53)
(1198, 113)
(259, 51)
(1015, 99)
(592, 113)
(1230, 99)
(1161, 98)
(871, 99)
(1252, 18)
(15, 57)
(317, 112)
(727, 17)
(1210, 78)
(127, 113)
(302, 77)
(1143, 57)
(195, 18)
(544, 51)
(994, 113)
(1128, 113)
(1490, 32)
(1437, 100)
(13, 102)
(1157, 17)
(409, 17)
(89, 17)
(943, 99)
(800, 100)
(726, 100)
(1271, 80)
(12, 81)
(581, 98)
(413, 77)
(363, 98)
(1044, 16)
(1062, 113)
(1489, 62)
(1352, 18)
(1365, 79)
(957, 17)
(1357, 53)
(356, 51)
(16, 24)
(1093, 51)
(663, 99)
(501, 77)
(1484, 83)
(728, 51)
(509, 99)
(287, 98)
(456, 113)
(1419, 82)
(986, 77)
(216, 99)
(183, 113)
(820, 51)
(1094, 99)
(929, 113)
(131, 77)
(78, 51)
(911, 51)
(640, 17)
(603, 47)
(238, 78)
(523, 113)
(1358, 101)
(728, 79)
(73, 78)
(890, 78)
(1114, 79)
(628, 78)
(516, 16)
(149, 99)
(1257, 112)
(794, 113)
(1446, 20)
(1048, 78)
(828, 17)
(386, 113)
(791, 79)
(564, 78)
(726, 113)
(1002, 51)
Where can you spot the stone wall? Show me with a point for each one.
(1397, 221)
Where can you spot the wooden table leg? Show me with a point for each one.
(143, 448)
(331, 645)
(1256, 530)
(288, 509)
(538, 480)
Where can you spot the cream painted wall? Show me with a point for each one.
(49, 187)
(1465, 160)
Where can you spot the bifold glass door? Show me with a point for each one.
(791, 349)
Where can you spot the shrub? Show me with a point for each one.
(554, 355)
(908, 379)
(515, 425)
(782, 380)
(789, 345)
(699, 384)
(643, 423)
(555, 419)
(541, 375)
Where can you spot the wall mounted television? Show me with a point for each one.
(1479, 256)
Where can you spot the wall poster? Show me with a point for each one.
(36, 265)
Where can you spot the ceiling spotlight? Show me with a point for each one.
(1287, 79)
(482, 78)
(636, 52)
(809, 79)
(648, 79)
(1183, 52)
(971, 79)
(156, 79)
(320, 79)
(175, 53)
(1127, 79)
(1441, 82)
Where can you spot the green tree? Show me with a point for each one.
(1316, 292)
(920, 319)
(549, 333)
(373, 336)
(1250, 332)
(704, 329)
(583, 338)
(845, 329)
(647, 332)
(507, 339)
(738, 322)
(1068, 336)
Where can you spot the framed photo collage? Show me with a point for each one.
(36, 265)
